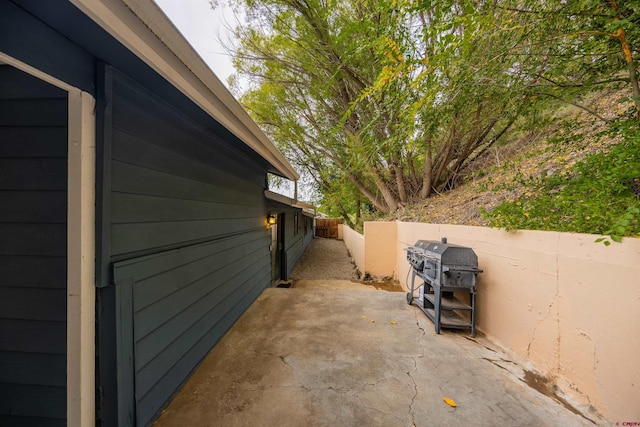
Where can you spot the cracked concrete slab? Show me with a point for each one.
(326, 357)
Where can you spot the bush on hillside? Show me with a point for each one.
(599, 195)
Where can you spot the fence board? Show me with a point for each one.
(327, 228)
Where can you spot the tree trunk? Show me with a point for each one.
(345, 215)
(402, 191)
(428, 169)
(384, 189)
(379, 204)
(628, 58)
(444, 156)
(631, 67)
(413, 174)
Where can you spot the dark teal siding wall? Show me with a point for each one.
(308, 230)
(182, 302)
(296, 239)
(188, 239)
(27, 38)
(293, 242)
(174, 184)
(33, 236)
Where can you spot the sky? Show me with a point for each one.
(203, 27)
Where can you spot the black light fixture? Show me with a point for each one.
(271, 219)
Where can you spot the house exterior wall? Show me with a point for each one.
(296, 239)
(559, 303)
(173, 182)
(180, 210)
(33, 250)
(188, 240)
(308, 230)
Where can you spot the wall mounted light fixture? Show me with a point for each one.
(271, 219)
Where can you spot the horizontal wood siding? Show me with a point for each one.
(184, 300)
(308, 231)
(188, 238)
(33, 248)
(295, 239)
(173, 182)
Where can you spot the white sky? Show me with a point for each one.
(203, 27)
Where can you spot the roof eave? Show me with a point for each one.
(143, 28)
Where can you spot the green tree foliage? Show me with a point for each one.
(385, 102)
(576, 46)
(584, 45)
(601, 194)
(394, 98)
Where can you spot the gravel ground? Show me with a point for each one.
(326, 264)
(326, 259)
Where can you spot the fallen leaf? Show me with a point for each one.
(393, 323)
(364, 317)
(449, 402)
(373, 321)
(435, 335)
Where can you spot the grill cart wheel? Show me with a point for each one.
(409, 298)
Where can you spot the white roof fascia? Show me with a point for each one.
(142, 27)
(309, 214)
(279, 198)
(305, 207)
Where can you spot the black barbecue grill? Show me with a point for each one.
(444, 269)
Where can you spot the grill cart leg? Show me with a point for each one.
(438, 304)
(413, 280)
(473, 313)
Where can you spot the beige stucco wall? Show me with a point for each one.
(355, 243)
(380, 258)
(568, 307)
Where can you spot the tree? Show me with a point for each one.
(398, 96)
(584, 45)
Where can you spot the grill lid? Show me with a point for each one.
(447, 253)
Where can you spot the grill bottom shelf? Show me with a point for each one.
(447, 302)
(448, 318)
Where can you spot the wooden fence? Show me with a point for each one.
(327, 228)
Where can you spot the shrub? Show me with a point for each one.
(599, 194)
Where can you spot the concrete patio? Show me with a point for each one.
(356, 357)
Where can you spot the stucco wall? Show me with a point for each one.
(561, 304)
(566, 305)
(355, 243)
(380, 260)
